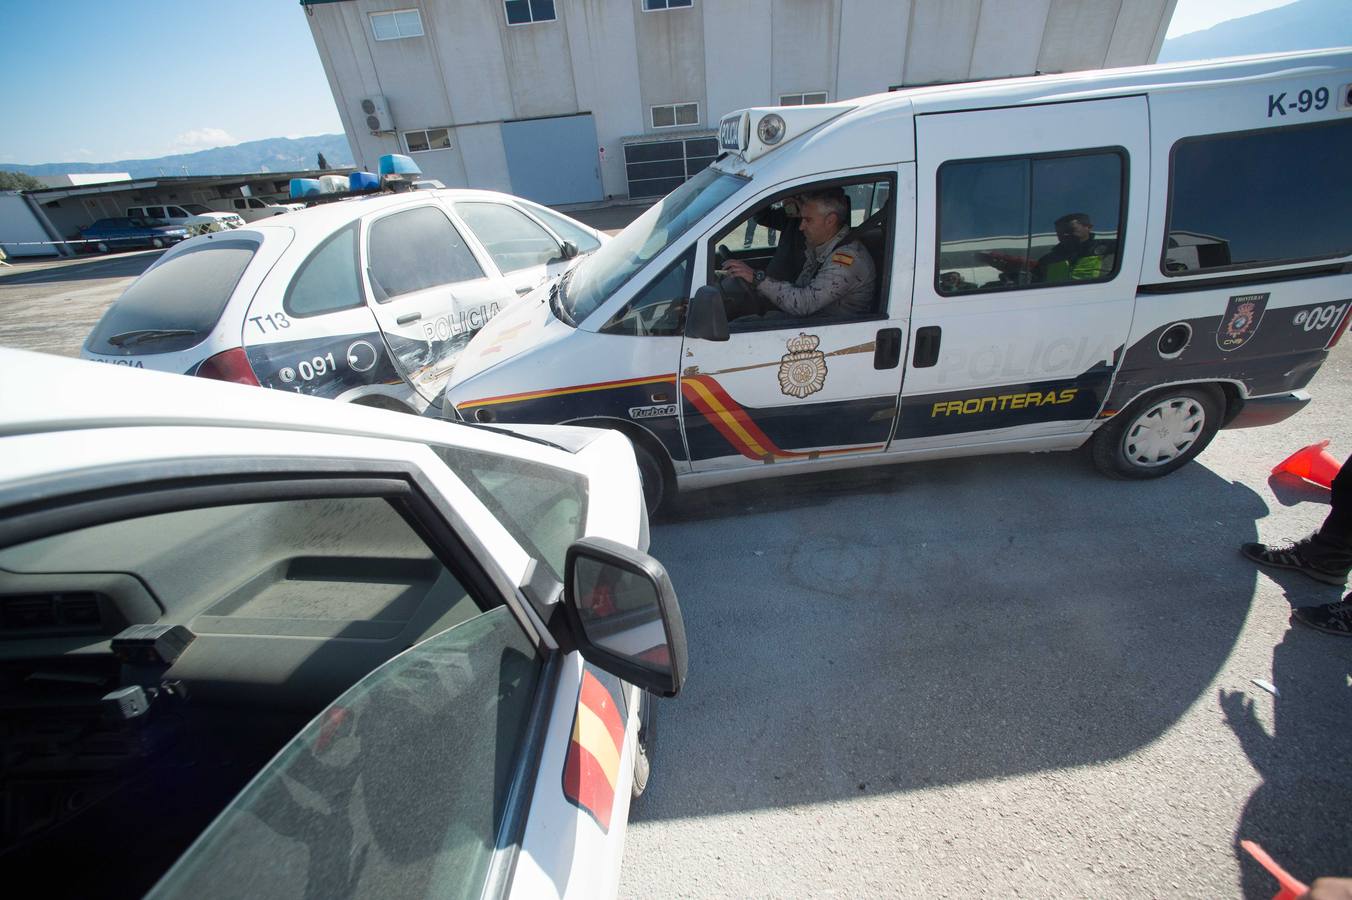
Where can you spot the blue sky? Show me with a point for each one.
(96, 81)
(93, 81)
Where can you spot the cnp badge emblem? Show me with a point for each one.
(802, 371)
(1241, 320)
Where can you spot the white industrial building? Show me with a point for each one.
(568, 101)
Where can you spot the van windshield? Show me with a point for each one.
(603, 273)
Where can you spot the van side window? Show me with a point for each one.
(1259, 198)
(327, 281)
(658, 309)
(1029, 222)
(414, 250)
(798, 285)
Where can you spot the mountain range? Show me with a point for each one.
(268, 155)
(1303, 25)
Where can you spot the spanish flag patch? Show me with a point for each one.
(843, 258)
(592, 766)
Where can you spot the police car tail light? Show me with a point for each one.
(230, 365)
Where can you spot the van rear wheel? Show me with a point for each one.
(1159, 433)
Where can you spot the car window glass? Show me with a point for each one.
(288, 604)
(404, 779)
(328, 280)
(1283, 213)
(659, 308)
(240, 204)
(417, 249)
(155, 314)
(567, 229)
(1029, 222)
(177, 211)
(543, 508)
(256, 204)
(511, 239)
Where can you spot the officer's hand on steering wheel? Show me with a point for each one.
(739, 269)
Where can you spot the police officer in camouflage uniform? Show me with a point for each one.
(838, 276)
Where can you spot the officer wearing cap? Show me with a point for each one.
(838, 276)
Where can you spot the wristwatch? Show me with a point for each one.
(759, 276)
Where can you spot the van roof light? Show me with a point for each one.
(398, 164)
(770, 129)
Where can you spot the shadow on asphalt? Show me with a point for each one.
(84, 269)
(936, 623)
(1299, 813)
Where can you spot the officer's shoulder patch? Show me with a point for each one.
(845, 259)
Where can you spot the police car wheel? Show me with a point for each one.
(1158, 433)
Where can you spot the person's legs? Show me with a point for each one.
(1325, 555)
(1333, 618)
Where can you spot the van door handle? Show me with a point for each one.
(407, 318)
(926, 346)
(887, 348)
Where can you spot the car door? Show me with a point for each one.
(786, 389)
(523, 251)
(428, 291)
(1031, 223)
(345, 629)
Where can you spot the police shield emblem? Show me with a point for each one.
(802, 371)
(1241, 320)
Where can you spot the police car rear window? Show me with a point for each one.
(176, 303)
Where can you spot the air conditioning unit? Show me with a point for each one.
(376, 112)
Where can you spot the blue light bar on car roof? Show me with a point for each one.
(398, 164)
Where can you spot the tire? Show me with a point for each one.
(157, 243)
(101, 247)
(654, 482)
(642, 763)
(1159, 433)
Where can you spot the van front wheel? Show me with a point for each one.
(1158, 433)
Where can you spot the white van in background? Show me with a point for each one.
(251, 209)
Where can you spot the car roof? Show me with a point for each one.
(93, 395)
(323, 219)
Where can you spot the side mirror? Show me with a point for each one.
(707, 317)
(623, 613)
(568, 250)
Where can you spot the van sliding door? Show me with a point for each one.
(1029, 239)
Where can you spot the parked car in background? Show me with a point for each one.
(368, 300)
(193, 216)
(251, 209)
(268, 647)
(130, 233)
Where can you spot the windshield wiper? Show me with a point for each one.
(148, 334)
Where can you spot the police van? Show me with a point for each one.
(1132, 258)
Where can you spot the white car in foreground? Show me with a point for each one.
(260, 646)
(368, 300)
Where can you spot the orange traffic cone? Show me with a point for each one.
(1313, 463)
(1290, 887)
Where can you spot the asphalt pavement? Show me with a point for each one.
(995, 676)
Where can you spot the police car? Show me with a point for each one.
(260, 646)
(367, 300)
(1129, 258)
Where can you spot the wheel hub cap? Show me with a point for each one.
(1164, 432)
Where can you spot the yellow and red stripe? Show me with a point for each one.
(741, 431)
(592, 767)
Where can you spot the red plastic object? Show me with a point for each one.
(228, 365)
(1313, 463)
(1291, 889)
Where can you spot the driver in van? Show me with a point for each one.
(838, 275)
